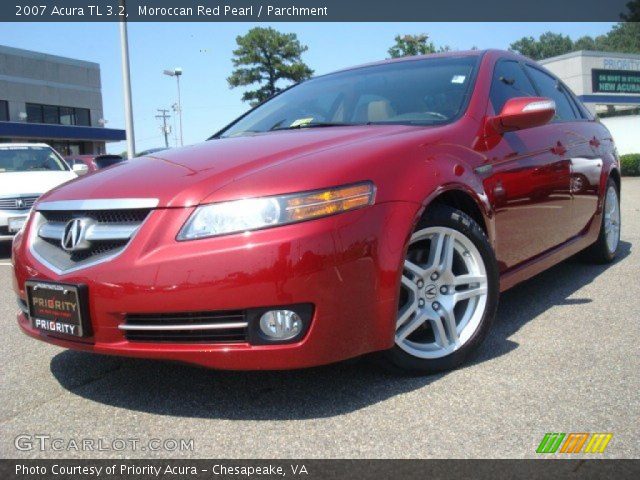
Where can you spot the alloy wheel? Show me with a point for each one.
(443, 293)
(612, 219)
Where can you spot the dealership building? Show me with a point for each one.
(51, 99)
(609, 85)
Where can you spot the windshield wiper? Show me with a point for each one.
(313, 125)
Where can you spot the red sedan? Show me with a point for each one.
(381, 208)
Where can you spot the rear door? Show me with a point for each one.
(581, 139)
(528, 179)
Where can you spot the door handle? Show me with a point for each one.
(559, 149)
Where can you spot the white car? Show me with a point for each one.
(27, 170)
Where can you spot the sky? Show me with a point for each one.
(203, 51)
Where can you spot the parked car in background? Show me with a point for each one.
(92, 162)
(27, 170)
(382, 208)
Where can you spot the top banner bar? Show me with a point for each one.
(313, 10)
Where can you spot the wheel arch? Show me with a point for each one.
(466, 200)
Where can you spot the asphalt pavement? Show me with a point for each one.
(563, 356)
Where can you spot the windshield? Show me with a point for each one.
(30, 159)
(429, 91)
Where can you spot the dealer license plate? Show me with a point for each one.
(58, 308)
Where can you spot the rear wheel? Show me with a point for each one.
(606, 247)
(448, 293)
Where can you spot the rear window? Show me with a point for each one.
(551, 88)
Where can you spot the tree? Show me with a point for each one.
(419, 44)
(265, 57)
(623, 37)
(548, 45)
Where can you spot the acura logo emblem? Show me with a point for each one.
(19, 203)
(74, 235)
(430, 291)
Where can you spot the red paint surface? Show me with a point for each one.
(540, 204)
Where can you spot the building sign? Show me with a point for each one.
(621, 64)
(615, 81)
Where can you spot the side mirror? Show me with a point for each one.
(523, 112)
(80, 169)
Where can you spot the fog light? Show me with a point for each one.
(280, 324)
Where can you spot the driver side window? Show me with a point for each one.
(509, 81)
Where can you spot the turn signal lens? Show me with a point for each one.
(329, 202)
(256, 213)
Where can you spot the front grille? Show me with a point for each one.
(17, 203)
(187, 327)
(101, 216)
(108, 235)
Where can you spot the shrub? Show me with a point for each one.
(630, 164)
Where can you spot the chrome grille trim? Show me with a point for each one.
(115, 224)
(213, 327)
(8, 202)
(98, 232)
(200, 326)
(99, 204)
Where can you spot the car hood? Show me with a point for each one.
(17, 183)
(187, 176)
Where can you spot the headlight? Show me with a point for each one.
(255, 213)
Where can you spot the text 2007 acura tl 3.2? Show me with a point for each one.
(378, 209)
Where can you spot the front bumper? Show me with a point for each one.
(347, 266)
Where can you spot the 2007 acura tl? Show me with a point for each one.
(380, 208)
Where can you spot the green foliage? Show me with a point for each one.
(630, 165)
(265, 57)
(623, 37)
(407, 45)
(548, 45)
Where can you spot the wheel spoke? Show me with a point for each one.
(451, 327)
(447, 257)
(467, 279)
(411, 306)
(469, 293)
(414, 269)
(411, 326)
(438, 241)
(439, 332)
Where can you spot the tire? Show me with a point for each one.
(604, 250)
(433, 290)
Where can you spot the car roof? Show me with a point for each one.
(450, 54)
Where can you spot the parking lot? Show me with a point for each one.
(562, 357)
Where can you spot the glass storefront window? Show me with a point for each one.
(4, 111)
(53, 114)
(82, 117)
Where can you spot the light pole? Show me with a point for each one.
(126, 83)
(177, 72)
